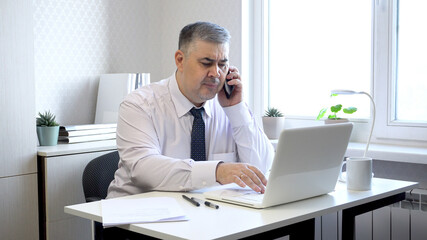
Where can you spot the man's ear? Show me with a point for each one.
(179, 59)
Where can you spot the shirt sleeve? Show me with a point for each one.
(142, 160)
(253, 146)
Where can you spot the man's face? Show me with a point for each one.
(201, 73)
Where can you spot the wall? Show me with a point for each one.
(414, 172)
(51, 54)
(76, 41)
(18, 171)
(177, 14)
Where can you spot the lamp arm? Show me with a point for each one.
(373, 121)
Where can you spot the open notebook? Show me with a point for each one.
(306, 164)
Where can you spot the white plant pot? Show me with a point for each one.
(273, 126)
(333, 121)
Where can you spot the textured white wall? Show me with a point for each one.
(177, 14)
(76, 41)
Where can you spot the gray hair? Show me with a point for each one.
(204, 31)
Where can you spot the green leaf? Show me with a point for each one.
(321, 113)
(336, 108)
(332, 116)
(273, 112)
(349, 110)
(46, 119)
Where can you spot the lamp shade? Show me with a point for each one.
(343, 92)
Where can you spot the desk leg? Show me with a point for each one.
(298, 231)
(349, 215)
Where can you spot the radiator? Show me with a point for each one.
(405, 220)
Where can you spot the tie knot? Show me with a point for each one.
(197, 113)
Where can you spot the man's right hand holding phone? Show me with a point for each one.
(236, 96)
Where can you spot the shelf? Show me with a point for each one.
(73, 148)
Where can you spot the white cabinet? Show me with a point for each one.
(18, 177)
(18, 207)
(60, 171)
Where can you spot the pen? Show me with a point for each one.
(191, 200)
(212, 205)
(209, 204)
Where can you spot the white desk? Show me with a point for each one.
(232, 221)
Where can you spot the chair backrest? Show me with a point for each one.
(98, 175)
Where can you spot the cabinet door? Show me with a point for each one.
(74, 228)
(18, 139)
(64, 182)
(18, 207)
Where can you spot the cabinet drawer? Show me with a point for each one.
(73, 228)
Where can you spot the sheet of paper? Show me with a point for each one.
(143, 210)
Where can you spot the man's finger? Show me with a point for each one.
(253, 177)
(252, 181)
(238, 180)
(259, 174)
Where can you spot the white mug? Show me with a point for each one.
(358, 173)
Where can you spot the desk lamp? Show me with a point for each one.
(350, 92)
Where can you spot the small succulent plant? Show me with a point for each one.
(46, 119)
(273, 112)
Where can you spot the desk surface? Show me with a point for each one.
(232, 221)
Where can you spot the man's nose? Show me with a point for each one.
(214, 71)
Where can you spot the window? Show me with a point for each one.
(373, 46)
(400, 73)
(411, 64)
(315, 47)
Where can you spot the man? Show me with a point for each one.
(155, 125)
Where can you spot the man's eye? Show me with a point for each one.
(206, 64)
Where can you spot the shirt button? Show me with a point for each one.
(204, 183)
(181, 187)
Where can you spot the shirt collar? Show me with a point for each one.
(182, 104)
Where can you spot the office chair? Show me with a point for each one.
(97, 176)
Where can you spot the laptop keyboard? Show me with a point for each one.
(244, 194)
(256, 197)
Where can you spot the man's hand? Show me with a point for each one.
(242, 174)
(236, 96)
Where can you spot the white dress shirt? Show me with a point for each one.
(154, 141)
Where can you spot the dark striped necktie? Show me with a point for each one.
(198, 136)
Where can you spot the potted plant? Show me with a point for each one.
(332, 117)
(47, 129)
(273, 123)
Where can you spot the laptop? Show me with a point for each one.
(306, 164)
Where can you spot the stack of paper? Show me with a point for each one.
(87, 133)
(142, 210)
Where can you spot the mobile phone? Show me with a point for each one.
(228, 89)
